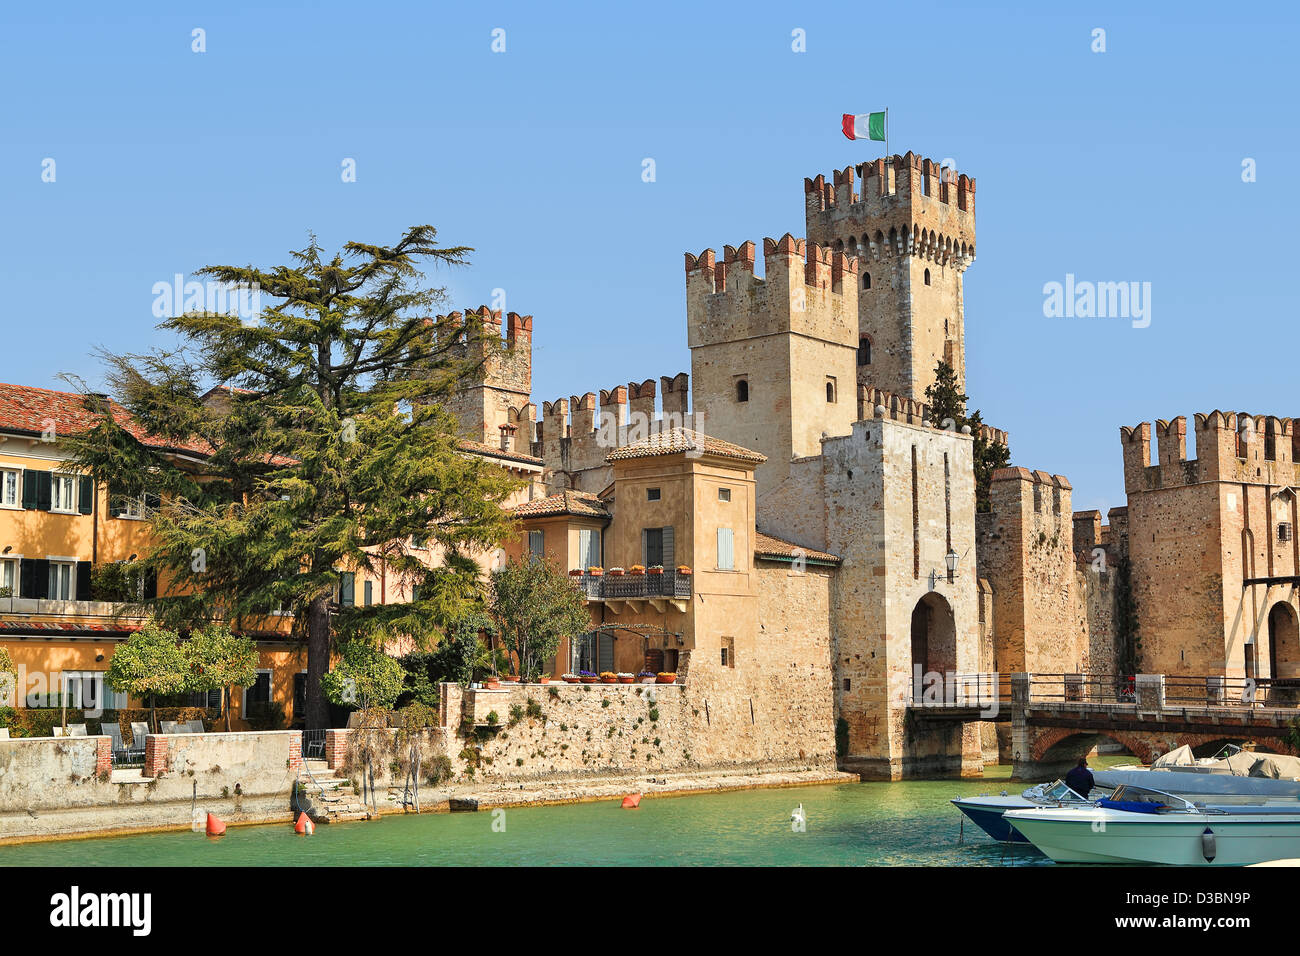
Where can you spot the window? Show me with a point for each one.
(86, 690)
(9, 489)
(60, 588)
(1284, 531)
(652, 494)
(728, 652)
(588, 548)
(726, 550)
(9, 577)
(132, 508)
(830, 391)
(536, 546)
(63, 491)
(864, 351)
(348, 588)
(866, 280)
(257, 699)
(657, 547)
(370, 593)
(927, 276)
(724, 494)
(742, 390)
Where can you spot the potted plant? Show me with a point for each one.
(608, 677)
(595, 571)
(683, 569)
(625, 678)
(576, 573)
(511, 678)
(636, 569)
(666, 677)
(655, 569)
(588, 677)
(614, 572)
(544, 679)
(570, 678)
(491, 682)
(646, 677)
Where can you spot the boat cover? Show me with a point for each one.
(1276, 766)
(1132, 806)
(1181, 757)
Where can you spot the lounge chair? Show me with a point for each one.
(56, 731)
(139, 731)
(78, 730)
(169, 727)
(195, 726)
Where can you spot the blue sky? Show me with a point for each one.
(1117, 166)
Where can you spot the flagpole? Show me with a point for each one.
(887, 153)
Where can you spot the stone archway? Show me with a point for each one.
(934, 635)
(1283, 641)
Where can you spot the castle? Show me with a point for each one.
(787, 528)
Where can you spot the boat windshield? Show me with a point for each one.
(1128, 793)
(1055, 792)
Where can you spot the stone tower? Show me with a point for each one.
(772, 358)
(913, 230)
(503, 381)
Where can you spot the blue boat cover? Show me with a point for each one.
(1132, 806)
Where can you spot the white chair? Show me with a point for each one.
(4, 733)
(169, 727)
(57, 731)
(78, 730)
(195, 726)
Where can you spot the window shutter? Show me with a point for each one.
(35, 578)
(584, 548)
(150, 586)
(370, 593)
(593, 555)
(347, 589)
(83, 580)
(44, 490)
(536, 545)
(726, 555)
(669, 550)
(86, 496)
(30, 480)
(645, 547)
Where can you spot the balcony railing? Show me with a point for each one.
(630, 587)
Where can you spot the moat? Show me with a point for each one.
(909, 823)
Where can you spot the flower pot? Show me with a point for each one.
(649, 680)
(491, 684)
(666, 679)
(609, 680)
(572, 680)
(543, 680)
(511, 679)
(615, 572)
(626, 680)
(591, 680)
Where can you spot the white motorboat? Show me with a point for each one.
(1142, 825)
(986, 810)
(1234, 777)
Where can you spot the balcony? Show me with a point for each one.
(658, 590)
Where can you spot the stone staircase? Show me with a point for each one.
(329, 799)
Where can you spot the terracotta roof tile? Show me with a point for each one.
(766, 546)
(479, 448)
(28, 410)
(564, 503)
(677, 440)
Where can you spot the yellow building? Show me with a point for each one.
(58, 526)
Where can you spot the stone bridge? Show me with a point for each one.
(1049, 735)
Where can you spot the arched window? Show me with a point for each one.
(830, 392)
(864, 351)
(742, 390)
(866, 280)
(927, 276)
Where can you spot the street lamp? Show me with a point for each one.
(950, 560)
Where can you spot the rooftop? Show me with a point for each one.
(479, 448)
(766, 546)
(674, 441)
(565, 503)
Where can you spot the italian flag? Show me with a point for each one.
(865, 126)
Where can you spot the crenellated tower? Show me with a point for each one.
(772, 358)
(912, 227)
(502, 381)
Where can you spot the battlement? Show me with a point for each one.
(806, 289)
(502, 370)
(1230, 446)
(878, 403)
(574, 435)
(908, 206)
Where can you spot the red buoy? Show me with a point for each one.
(304, 826)
(215, 826)
(632, 802)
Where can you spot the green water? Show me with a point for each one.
(909, 823)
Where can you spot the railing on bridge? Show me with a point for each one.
(1165, 690)
(959, 691)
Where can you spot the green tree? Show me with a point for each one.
(534, 605)
(219, 660)
(329, 452)
(8, 681)
(948, 410)
(149, 664)
(365, 677)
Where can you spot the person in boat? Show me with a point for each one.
(1079, 779)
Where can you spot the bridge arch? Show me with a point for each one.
(934, 635)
